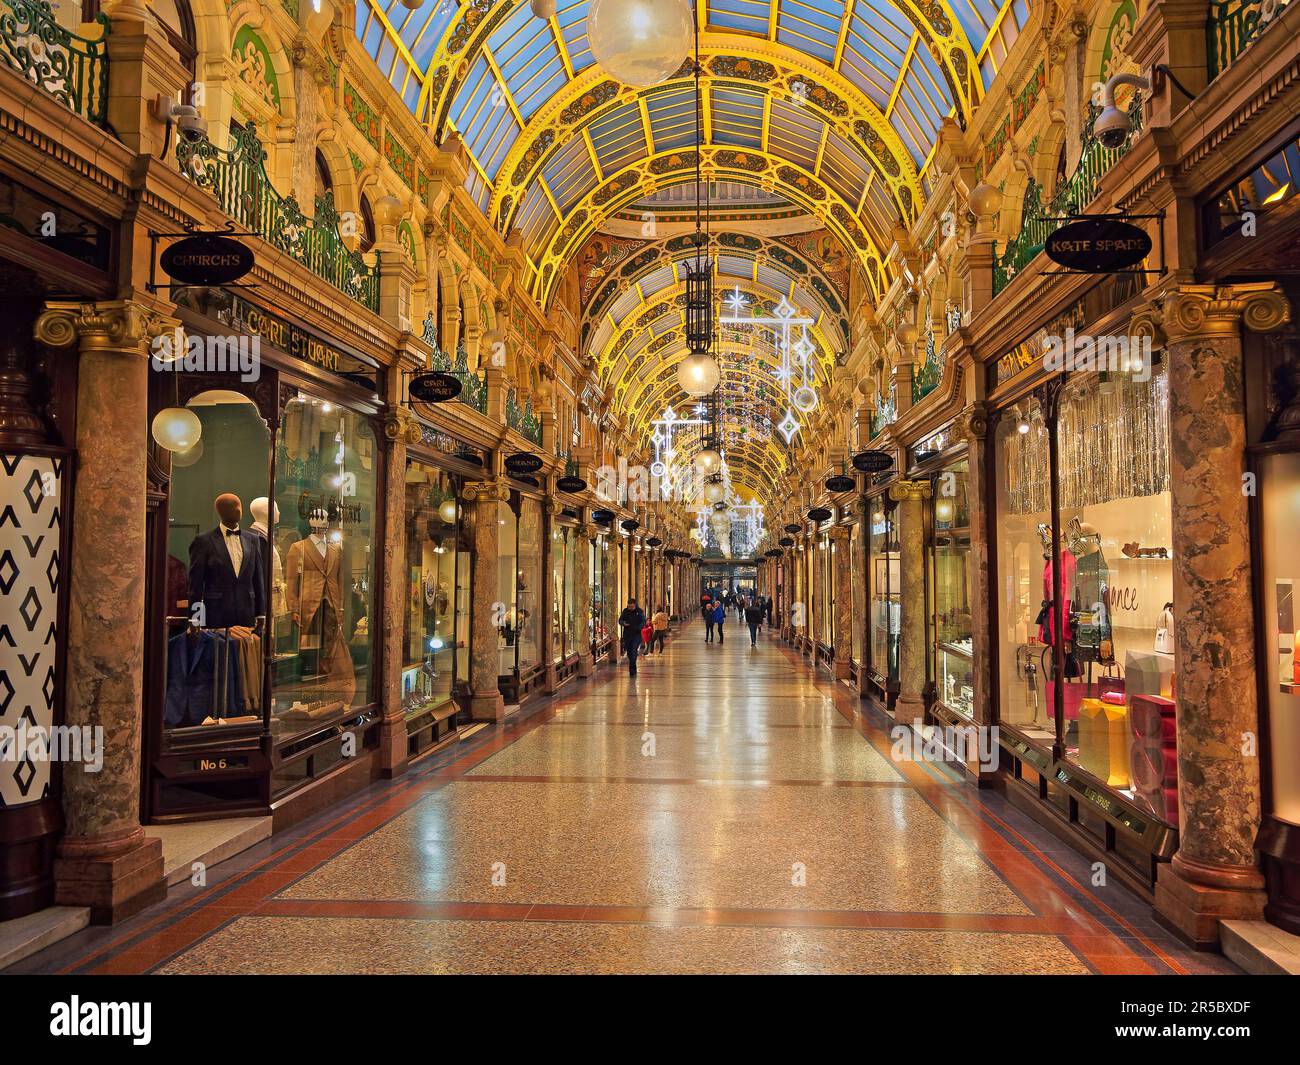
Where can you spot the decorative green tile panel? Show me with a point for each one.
(361, 113)
(402, 161)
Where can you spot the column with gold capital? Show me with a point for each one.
(400, 429)
(1214, 874)
(842, 575)
(910, 497)
(481, 500)
(105, 861)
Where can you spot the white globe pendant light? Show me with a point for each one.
(708, 461)
(698, 374)
(176, 428)
(713, 492)
(447, 512)
(188, 457)
(640, 42)
(543, 8)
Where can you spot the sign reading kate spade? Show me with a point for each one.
(434, 387)
(206, 259)
(1098, 245)
(523, 462)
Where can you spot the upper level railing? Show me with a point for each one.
(1233, 26)
(72, 69)
(521, 419)
(474, 390)
(241, 185)
(1040, 220)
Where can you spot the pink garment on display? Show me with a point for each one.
(1069, 565)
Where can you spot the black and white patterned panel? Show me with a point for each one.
(30, 531)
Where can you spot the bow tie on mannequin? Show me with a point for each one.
(232, 532)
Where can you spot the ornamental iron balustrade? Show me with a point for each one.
(1233, 26)
(474, 389)
(237, 178)
(1039, 221)
(71, 68)
(885, 413)
(521, 419)
(928, 374)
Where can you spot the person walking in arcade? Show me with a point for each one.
(631, 622)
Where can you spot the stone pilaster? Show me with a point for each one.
(142, 65)
(911, 497)
(841, 537)
(1214, 875)
(400, 429)
(105, 861)
(481, 499)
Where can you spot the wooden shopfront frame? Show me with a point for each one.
(243, 769)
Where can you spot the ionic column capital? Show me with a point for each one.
(840, 534)
(901, 491)
(401, 425)
(1191, 311)
(485, 492)
(112, 325)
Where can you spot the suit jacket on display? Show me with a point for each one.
(228, 598)
(310, 579)
(204, 677)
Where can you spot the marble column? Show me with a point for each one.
(1214, 874)
(400, 429)
(105, 861)
(911, 497)
(481, 499)
(582, 598)
(842, 538)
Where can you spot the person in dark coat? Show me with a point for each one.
(707, 608)
(719, 616)
(767, 610)
(631, 622)
(753, 618)
(226, 573)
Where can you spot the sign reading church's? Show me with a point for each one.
(1098, 245)
(206, 259)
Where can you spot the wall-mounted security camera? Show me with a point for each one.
(1112, 126)
(185, 117)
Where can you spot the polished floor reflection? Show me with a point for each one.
(726, 811)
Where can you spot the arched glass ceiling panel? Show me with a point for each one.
(795, 134)
(619, 138)
(737, 118)
(526, 52)
(672, 119)
(485, 118)
(570, 174)
(747, 16)
(813, 28)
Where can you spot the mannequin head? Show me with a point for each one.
(317, 520)
(259, 507)
(229, 509)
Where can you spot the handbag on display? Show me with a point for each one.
(1165, 631)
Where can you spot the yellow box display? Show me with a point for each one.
(1103, 741)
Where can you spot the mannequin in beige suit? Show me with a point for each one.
(313, 576)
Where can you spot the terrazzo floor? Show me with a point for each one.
(729, 811)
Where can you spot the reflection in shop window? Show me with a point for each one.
(326, 465)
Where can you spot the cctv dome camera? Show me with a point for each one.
(1112, 127)
(189, 123)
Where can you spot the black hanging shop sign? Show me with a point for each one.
(571, 484)
(523, 462)
(602, 517)
(434, 387)
(1098, 245)
(207, 259)
(793, 528)
(872, 461)
(819, 514)
(654, 541)
(630, 524)
(786, 541)
(775, 552)
(840, 483)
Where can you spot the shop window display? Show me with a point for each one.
(886, 581)
(437, 632)
(953, 646)
(559, 545)
(519, 560)
(1280, 580)
(572, 545)
(826, 556)
(859, 590)
(218, 614)
(326, 466)
(1113, 625)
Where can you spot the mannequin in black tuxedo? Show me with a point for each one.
(228, 598)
